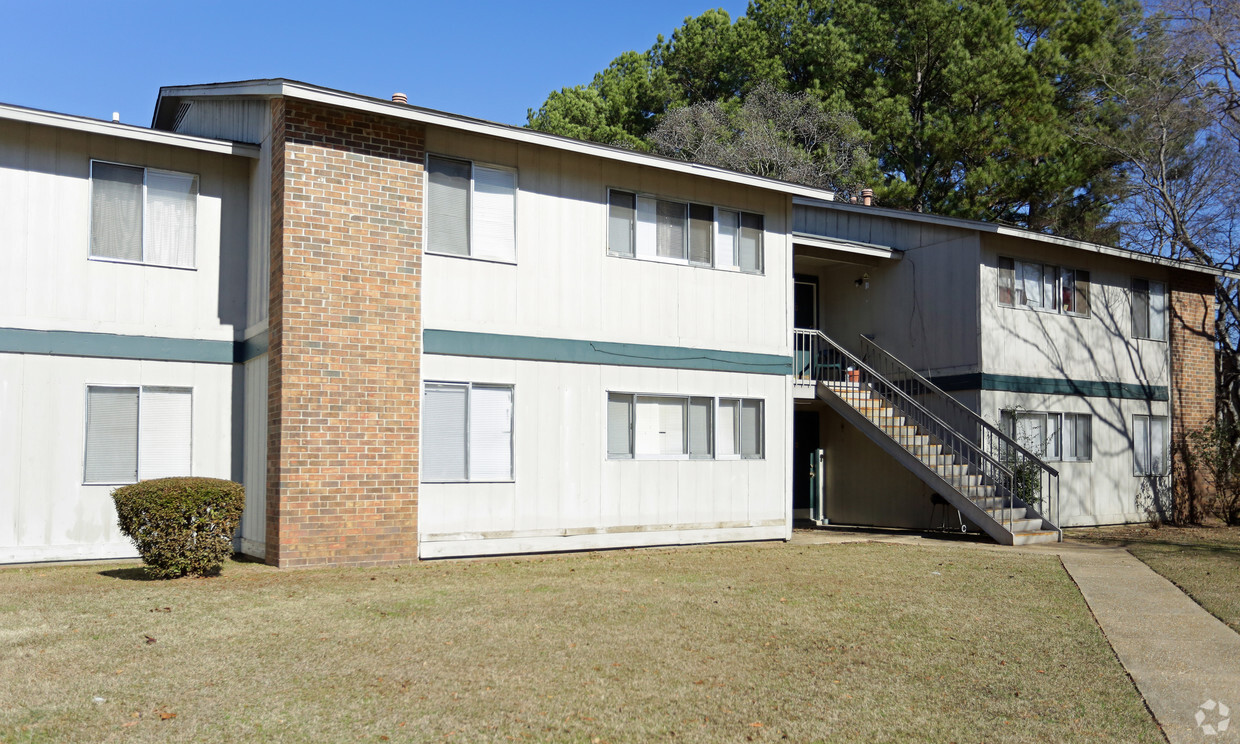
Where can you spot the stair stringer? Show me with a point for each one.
(914, 465)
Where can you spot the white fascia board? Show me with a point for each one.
(844, 246)
(302, 91)
(1015, 232)
(124, 131)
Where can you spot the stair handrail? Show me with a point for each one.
(861, 365)
(960, 407)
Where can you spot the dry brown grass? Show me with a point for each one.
(848, 643)
(1203, 561)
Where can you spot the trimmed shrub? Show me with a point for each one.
(182, 526)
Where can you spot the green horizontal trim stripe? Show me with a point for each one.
(1052, 386)
(115, 346)
(256, 345)
(537, 349)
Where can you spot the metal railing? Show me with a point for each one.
(976, 458)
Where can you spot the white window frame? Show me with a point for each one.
(715, 262)
(90, 220)
(1055, 448)
(1137, 467)
(1019, 301)
(137, 434)
(1149, 309)
(512, 429)
(470, 220)
(714, 434)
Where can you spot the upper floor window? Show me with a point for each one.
(467, 432)
(644, 226)
(142, 215)
(1149, 309)
(137, 433)
(1043, 287)
(471, 209)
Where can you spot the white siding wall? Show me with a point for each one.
(564, 285)
(1103, 490)
(47, 281)
(45, 511)
(568, 495)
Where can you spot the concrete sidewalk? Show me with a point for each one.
(1180, 656)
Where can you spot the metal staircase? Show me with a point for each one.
(998, 485)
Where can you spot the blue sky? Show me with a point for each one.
(491, 60)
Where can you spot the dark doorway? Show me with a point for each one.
(805, 440)
(805, 303)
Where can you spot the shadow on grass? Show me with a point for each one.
(138, 573)
(141, 573)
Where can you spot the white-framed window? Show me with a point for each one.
(1149, 310)
(471, 209)
(676, 427)
(1043, 287)
(142, 215)
(650, 227)
(1149, 445)
(1051, 436)
(137, 433)
(467, 432)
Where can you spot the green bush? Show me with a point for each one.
(182, 526)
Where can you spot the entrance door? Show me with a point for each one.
(805, 303)
(805, 440)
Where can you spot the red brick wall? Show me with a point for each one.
(1192, 373)
(345, 337)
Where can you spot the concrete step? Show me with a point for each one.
(992, 502)
(1031, 538)
(1025, 525)
(965, 482)
(978, 492)
(952, 472)
(937, 461)
(1003, 515)
(926, 449)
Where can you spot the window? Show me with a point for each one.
(1149, 445)
(697, 234)
(471, 209)
(678, 427)
(1149, 310)
(1043, 287)
(467, 432)
(137, 433)
(142, 215)
(1051, 436)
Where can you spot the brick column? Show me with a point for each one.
(345, 337)
(1192, 378)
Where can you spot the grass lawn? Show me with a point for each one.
(849, 643)
(1203, 561)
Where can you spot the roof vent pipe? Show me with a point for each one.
(867, 196)
(116, 117)
(400, 98)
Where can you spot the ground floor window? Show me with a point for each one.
(466, 432)
(1051, 436)
(684, 427)
(1149, 445)
(137, 433)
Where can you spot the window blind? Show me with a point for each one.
(1007, 281)
(622, 214)
(116, 211)
(727, 230)
(443, 432)
(1158, 311)
(728, 427)
(1158, 445)
(1141, 445)
(448, 206)
(699, 427)
(1140, 308)
(660, 426)
(490, 433)
(751, 242)
(647, 225)
(111, 435)
(165, 425)
(751, 428)
(171, 204)
(701, 229)
(495, 213)
(1031, 283)
(671, 229)
(619, 425)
